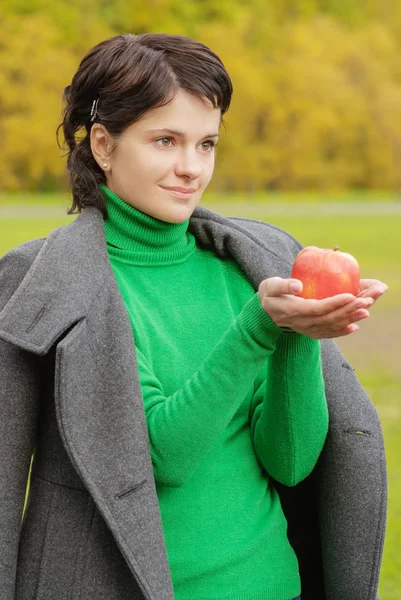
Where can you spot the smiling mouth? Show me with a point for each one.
(177, 194)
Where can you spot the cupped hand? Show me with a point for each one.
(371, 288)
(328, 318)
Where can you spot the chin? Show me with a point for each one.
(178, 217)
(176, 220)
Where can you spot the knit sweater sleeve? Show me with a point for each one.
(289, 414)
(184, 426)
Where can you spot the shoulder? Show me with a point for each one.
(210, 226)
(22, 256)
(14, 265)
(276, 240)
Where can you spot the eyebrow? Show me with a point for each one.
(178, 133)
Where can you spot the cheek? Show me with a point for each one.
(144, 163)
(208, 171)
(153, 161)
(208, 166)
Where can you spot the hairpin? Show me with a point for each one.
(94, 110)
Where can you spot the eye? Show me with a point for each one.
(162, 139)
(211, 143)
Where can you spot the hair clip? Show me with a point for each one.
(94, 110)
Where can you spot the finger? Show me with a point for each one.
(330, 314)
(372, 288)
(332, 324)
(358, 315)
(339, 318)
(356, 305)
(276, 286)
(350, 329)
(373, 292)
(367, 283)
(345, 329)
(324, 334)
(321, 308)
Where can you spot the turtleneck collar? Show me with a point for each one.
(137, 238)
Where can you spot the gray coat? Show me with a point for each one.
(70, 395)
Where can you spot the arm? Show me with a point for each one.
(184, 426)
(288, 414)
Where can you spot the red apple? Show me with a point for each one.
(325, 273)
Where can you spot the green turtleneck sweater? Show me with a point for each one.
(230, 400)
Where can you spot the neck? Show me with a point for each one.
(137, 236)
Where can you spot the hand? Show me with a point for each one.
(328, 318)
(371, 288)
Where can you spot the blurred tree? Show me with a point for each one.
(35, 65)
(317, 85)
(322, 109)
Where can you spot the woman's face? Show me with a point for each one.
(148, 158)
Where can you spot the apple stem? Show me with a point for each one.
(336, 248)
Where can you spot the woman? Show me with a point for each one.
(174, 391)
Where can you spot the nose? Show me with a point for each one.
(188, 165)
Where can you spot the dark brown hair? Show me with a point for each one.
(131, 74)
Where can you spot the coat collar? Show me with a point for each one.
(58, 288)
(73, 266)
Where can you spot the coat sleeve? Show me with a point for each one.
(352, 503)
(19, 406)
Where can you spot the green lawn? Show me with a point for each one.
(375, 241)
(317, 197)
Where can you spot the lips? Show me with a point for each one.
(181, 190)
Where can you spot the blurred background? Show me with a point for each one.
(313, 144)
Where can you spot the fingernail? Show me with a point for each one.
(295, 287)
(362, 304)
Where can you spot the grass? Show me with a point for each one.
(313, 196)
(18, 231)
(28, 198)
(375, 240)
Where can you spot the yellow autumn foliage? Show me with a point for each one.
(317, 94)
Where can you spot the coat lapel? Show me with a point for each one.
(58, 289)
(102, 422)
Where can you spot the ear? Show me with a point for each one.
(100, 142)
